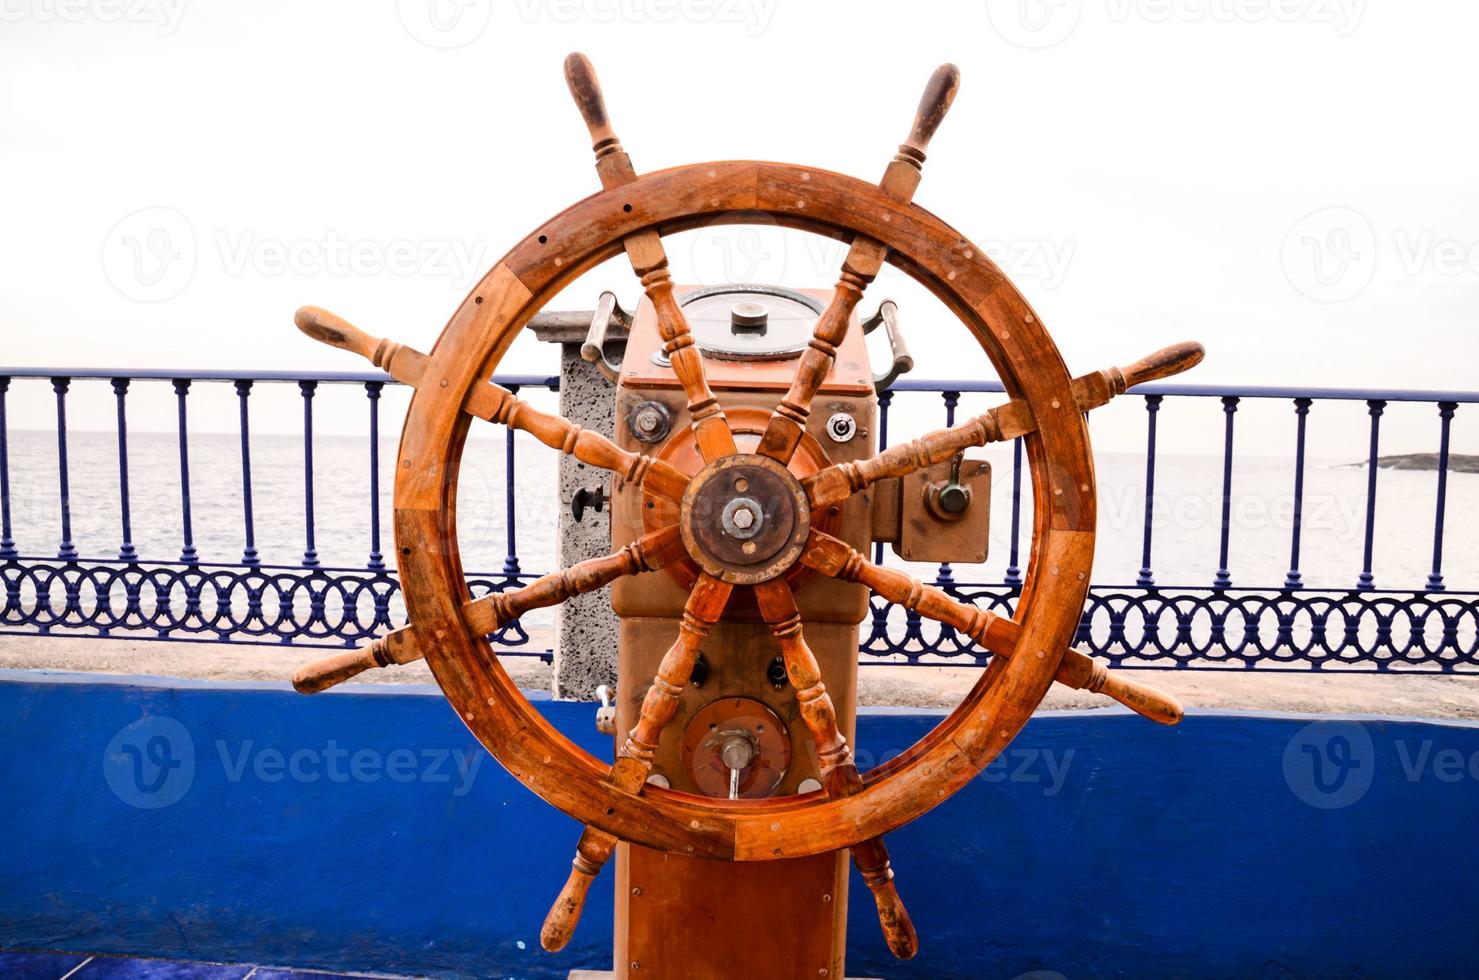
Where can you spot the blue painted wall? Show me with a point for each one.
(366, 830)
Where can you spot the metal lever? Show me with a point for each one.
(606, 713)
(594, 347)
(888, 316)
(954, 497)
(583, 498)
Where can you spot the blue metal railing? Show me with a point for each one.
(1429, 627)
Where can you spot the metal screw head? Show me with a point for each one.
(841, 427)
(650, 421)
(742, 518)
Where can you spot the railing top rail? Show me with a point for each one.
(1222, 391)
(903, 384)
(170, 374)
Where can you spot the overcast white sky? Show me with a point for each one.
(1293, 182)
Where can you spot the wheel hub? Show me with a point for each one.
(744, 519)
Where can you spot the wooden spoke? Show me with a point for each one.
(840, 481)
(497, 404)
(838, 769)
(654, 550)
(634, 760)
(997, 634)
(399, 646)
(836, 483)
(492, 612)
(649, 261)
(864, 258)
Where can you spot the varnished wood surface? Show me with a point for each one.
(880, 224)
(629, 210)
(587, 234)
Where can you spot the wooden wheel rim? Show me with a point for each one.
(478, 335)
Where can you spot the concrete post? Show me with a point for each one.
(586, 629)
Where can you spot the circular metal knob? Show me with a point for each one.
(749, 317)
(954, 498)
(842, 427)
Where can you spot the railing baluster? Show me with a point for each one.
(1146, 578)
(310, 554)
(372, 392)
(187, 549)
(126, 550)
(944, 577)
(1223, 579)
(1294, 580)
(1367, 581)
(510, 560)
(7, 543)
(249, 554)
(1435, 577)
(67, 551)
(1014, 569)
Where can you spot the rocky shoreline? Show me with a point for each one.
(1457, 463)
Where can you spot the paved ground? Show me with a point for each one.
(18, 965)
(1441, 696)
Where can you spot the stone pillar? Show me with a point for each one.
(586, 629)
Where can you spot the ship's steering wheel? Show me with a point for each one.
(632, 214)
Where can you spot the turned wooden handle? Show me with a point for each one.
(898, 928)
(872, 860)
(324, 674)
(564, 915)
(327, 328)
(933, 105)
(586, 90)
(1144, 700)
(1083, 672)
(1164, 363)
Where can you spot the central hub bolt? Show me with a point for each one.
(742, 518)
